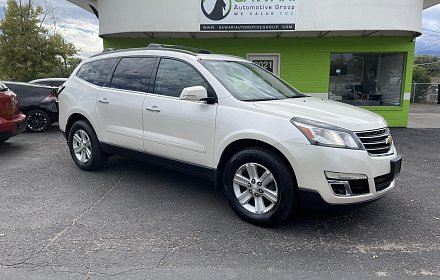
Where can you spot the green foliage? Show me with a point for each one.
(429, 62)
(28, 50)
(422, 81)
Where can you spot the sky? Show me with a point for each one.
(429, 42)
(75, 24)
(81, 28)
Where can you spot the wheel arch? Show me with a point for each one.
(27, 109)
(241, 144)
(40, 110)
(74, 118)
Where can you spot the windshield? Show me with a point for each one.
(248, 82)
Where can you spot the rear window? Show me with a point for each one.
(52, 83)
(96, 72)
(31, 91)
(56, 83)
(18, 89)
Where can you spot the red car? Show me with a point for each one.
(12, 121)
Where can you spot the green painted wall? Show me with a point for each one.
(305, 62)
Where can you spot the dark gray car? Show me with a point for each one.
(39, 103)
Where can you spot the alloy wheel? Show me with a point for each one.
(37, 121)
(255, 188)
(82, 146)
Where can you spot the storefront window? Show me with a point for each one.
(367, 79)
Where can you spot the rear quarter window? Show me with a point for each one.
(96, 72)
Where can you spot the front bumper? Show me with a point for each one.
(309, 163)
(312, 199)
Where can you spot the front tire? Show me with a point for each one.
(38, 121)
(84, 147)
(260, 187)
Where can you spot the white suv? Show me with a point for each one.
(270, 147)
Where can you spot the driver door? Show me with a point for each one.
(178, 129)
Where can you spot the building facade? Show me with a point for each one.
(353, 51)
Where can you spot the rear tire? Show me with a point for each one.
(85, 148)
(260, 187)
(38, 121)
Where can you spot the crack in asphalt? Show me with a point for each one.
(90, 273)
(159, 263)
(70, 225)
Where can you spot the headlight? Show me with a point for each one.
(323, 134)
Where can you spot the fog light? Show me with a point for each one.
(344, 176)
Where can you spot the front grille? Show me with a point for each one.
(383, 182)
(376, 142)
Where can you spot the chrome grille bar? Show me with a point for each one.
(376, 142)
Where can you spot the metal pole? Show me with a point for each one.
(414, 92)
(438, 94)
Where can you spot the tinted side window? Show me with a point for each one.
(133, 73)
(96, 72)
(173, 76)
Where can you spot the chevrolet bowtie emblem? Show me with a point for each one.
(389, 140)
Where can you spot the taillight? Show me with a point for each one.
(15, 105)
(50, 98)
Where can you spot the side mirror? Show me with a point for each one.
(195, 94)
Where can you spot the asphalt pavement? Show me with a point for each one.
(136, 221)
(424, 116)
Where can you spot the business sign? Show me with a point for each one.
(247, 15)
(268, 61)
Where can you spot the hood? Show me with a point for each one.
(330, 112)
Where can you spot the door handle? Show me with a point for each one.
(153, 109)
(103, 101)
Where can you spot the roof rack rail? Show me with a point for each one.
(177, 47)
(152, 46)
(105, 51)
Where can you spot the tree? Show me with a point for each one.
(422, 80)
(430, 63)
(30, 46)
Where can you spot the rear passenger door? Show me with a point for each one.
(178, 129)
(120, 104)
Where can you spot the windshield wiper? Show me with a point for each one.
(272, 99)
(298, 96)
(260, 99)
